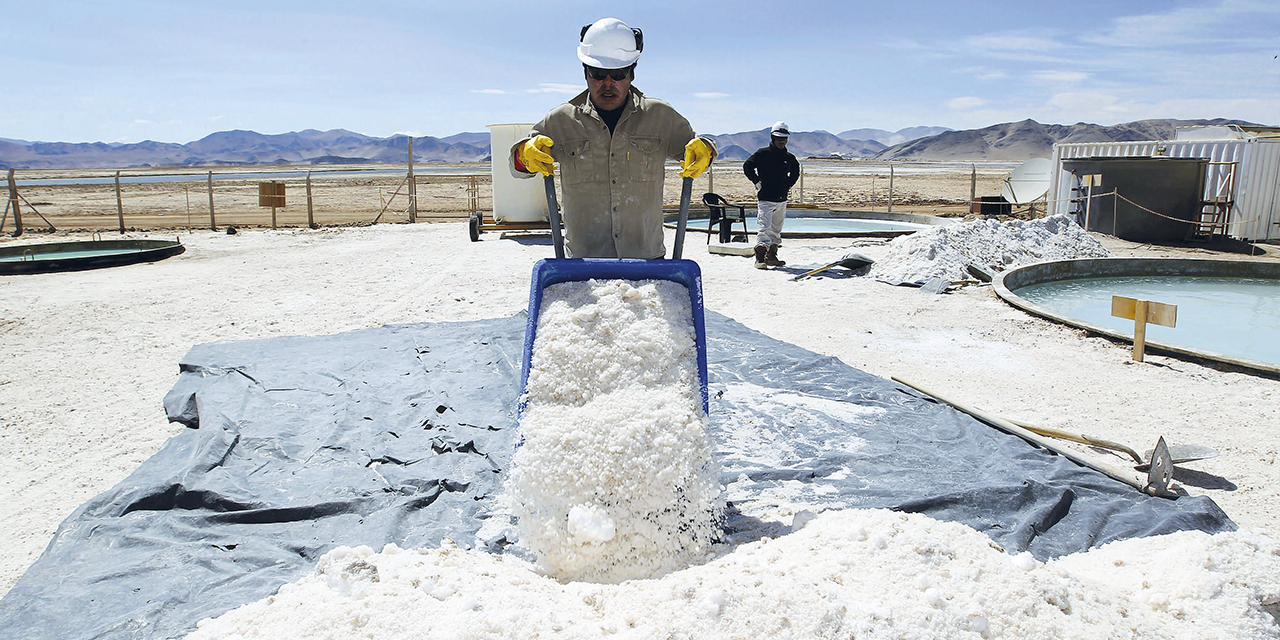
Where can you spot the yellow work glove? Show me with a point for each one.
(697, 157)
(533, 155)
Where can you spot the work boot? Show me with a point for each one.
(771, 257)
(760, 256)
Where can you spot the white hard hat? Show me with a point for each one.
(610, 44)
(780, 130)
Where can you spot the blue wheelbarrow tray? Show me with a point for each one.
(548, 272)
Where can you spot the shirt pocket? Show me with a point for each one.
(576, 164)
(645, 158)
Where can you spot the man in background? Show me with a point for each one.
(773, 170)
(611, 142)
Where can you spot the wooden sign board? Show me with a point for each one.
(1143, 312)
(271, 194)
(1165, 315)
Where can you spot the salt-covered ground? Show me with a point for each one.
(859, 573)
(88, 356)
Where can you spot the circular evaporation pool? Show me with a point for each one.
(803, 224)
(1228, 310)
(77, 256)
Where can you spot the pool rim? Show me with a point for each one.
(1055, 270)
(142, 250)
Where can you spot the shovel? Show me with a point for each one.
(1159, 473)
(1178, 454)
(849, 261)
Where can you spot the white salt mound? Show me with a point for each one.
(615, 478)
(945, 252)
(855, 573)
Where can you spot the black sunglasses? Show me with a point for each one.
(599, 75)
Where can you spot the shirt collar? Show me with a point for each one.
(583, 102)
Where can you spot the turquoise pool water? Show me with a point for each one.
(820, 225)
(36, 254)
(1236, 317)
(49, 257)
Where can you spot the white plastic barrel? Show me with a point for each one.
(514, 199)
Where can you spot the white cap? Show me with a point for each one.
(610, 44)
(780, 130)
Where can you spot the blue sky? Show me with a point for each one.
(176, 71)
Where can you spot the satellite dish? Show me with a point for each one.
(1028, 182)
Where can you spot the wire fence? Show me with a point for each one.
(159, 199)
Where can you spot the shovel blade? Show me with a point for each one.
(1161, 472)
(1181, 453)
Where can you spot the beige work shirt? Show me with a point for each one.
(612, 200)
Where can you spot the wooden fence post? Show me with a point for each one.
(13, 201)
(413, 187)
(213, 224)
(890, 207)
(973, 186)
(311, 219)
(119, 204)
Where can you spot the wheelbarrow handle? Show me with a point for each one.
(686, 192)
(553, 214)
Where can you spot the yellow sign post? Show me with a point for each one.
(271, 194)
(1142, 312)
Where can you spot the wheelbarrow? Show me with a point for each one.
(547, 272)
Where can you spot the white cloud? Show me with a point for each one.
(966, 102)
(1222, 22)
(711, 95)
(555, 87)
(1085, 102)
(1010, 43)
(1058, 77)
(982, 73)
(1012, 47)
(496, 92)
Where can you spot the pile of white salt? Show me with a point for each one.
(946, 251)
(855, 573)
(614, 479)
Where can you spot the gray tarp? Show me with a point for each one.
(401, 435)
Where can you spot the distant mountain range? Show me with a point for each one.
(740, 146)
(1013, 141)
(308, 147)
(1018, 141)
(890, 138)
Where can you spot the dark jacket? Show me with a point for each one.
(776, 170)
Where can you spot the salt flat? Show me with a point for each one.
(89, 355)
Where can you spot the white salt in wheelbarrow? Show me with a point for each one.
(561, 269)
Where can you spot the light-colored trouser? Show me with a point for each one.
(769, 215)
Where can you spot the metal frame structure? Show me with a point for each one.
(1242, 185)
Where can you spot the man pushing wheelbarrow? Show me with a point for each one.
(611, 142)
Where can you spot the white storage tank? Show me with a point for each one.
(514, 199)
